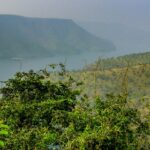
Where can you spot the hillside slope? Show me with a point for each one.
(120, 61)
(127, 39)
(128, 74)
(37, 37)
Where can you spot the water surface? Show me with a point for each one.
(9, 67)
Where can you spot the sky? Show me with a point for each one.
(130, 12)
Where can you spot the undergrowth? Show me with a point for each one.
(46, 110)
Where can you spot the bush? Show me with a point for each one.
(36, 108)
(45, 113)
(111, 124)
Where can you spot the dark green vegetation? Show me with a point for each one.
(46, 110)
(36, 37)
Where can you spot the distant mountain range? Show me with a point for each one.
(126, 38)
(38, 37)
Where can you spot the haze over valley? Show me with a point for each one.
(36, 33)
(27, 43)
(127, 38)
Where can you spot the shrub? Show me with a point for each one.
(111, 124)
(36, 108)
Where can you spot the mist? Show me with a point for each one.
(130, 12)
(130, 16)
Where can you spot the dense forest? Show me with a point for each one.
(91, 109)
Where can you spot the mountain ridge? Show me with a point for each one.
(46, 37)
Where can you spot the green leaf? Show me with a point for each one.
(3, 126)
(1, 144)
(3, 132)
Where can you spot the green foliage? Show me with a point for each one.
(45, 110)
(32, 86)
(110, 124)
(36, 108)
(3, 133)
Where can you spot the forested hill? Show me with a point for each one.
(40, 37)
(121, 61)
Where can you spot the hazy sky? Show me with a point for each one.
(134, 12)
